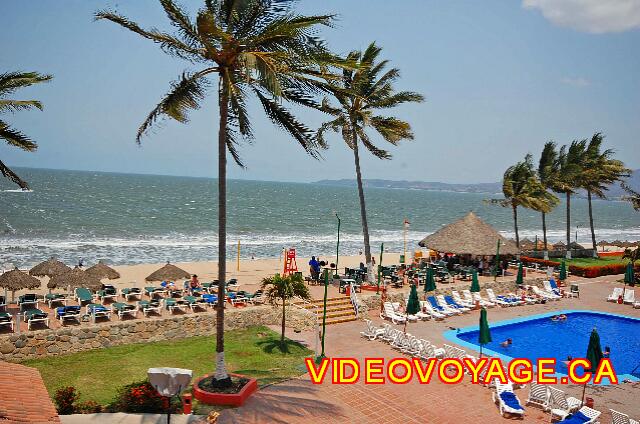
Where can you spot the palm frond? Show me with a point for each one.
(376, 151)
(181, 21)
(11, 81)
(17, 105)
(15, 138)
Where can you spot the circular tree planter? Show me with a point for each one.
(231, 399)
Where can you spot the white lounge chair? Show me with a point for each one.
(430, 351)
(629, 296)
(507, 401)
(483, 302)
(390, 313)
(451, 303)
(620, 418)
(539, 395)
(371, 332)
(544, 294)
(588, 415)
(456, 296)
(434, 314)
(615, 294)
(499, 302)
(549, 289)
(561, 405)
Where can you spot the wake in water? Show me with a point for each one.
(17, 190)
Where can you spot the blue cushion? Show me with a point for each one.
(511, 400)
(576, 418)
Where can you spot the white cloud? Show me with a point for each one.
(576, 82)
(595, 16)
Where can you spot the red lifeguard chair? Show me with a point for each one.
(290, 265)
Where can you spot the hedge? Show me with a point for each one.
(598, 271)
(528, 260)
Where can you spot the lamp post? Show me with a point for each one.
(324, 314)
(337, 246)
(380, 267)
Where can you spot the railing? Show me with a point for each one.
(354, 298)
(316, 313)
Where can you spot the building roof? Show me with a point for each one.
(469, 236)
(23, 396)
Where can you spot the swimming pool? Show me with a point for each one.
(538, 336)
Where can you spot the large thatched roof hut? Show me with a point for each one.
(102, 270)
(469, 236)
(49, 268)
(75, 278)
(169, 272)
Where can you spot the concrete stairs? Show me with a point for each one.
(339, 309)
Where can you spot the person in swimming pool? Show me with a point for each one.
(607, 352)
(506, 343)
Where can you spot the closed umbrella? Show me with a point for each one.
(594, 355)
(520, 276)
(563, 271)
(628, 278)
(15, 280)
(484, 336)
(475, 284)
(413, 304)
(430, 284)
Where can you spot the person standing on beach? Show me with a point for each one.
(314, 268)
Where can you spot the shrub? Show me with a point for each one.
(528, 260)
(141, 397)
(598, 271)
(65, 399)
(88, 407)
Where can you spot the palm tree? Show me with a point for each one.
(569, 166)
(600, 171)
(632, 196)
(282, 288)
(520, 188)
(361, 92)
(9, 83)
(257, 47)
(546, 173)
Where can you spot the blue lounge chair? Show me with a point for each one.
(211, 299)
(507, 400)
(436, 307)
(95, 310)
(455, 304)
(585, 415)
(66, 313)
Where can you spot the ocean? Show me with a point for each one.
(128, 219)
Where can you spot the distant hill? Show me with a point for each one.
(615, 191)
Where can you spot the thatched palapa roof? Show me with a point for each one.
(559, 246)
(168, 272)
(469, 236)
(102, 270)
(75, 278)
(49, 268)
(15, 280)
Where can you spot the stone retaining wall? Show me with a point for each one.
(52, 342)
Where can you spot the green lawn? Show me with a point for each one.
(593, 261)
(97, 374)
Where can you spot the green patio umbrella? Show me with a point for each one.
(628, 278)
(475, 284)
(563, 271)
(484, 336)
(594, 355)
(430, 284)
(520, 276)
(413, 304)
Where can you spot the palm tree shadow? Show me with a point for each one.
(269, 345)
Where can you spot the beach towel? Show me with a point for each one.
(511, 400)
(576, 418)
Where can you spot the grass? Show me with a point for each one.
(97, 374)
(594, 261)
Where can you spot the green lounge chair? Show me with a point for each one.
(175, 304)
(195, 302)
(6, 319)
(147, 306)
(154, 291)
(123, 309)
(108, 292)
(30, 300)
(52, 298)
(131, 292)
(83, 295)
(32, 316)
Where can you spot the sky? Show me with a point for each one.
(500, 79)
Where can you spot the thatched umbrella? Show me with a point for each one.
(75, 278)
(559, 246)
(603, 243)
(168, 272)
(102, 270)
(469, 236)
(15, 280)
(49, 268)
(526, 244)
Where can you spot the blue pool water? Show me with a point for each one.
(539, 337)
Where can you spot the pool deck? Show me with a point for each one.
(299, 401)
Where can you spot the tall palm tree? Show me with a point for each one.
(546, 173)
(361, 93)
(520, 187)
(9, 83)
(569, 165)
(258, 47)
(600, 171)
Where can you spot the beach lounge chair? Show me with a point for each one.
(68, 313)
(389, 333)
(108, 292)
(636, 304)
(3, 302)
(83, 295)
(123, 309)
(31, 316)
(238, 299)
(96, 310)
(420, 315)
(211, 299)
(52, 298)
(498, 301)
(620, 418)
(130, 293)
(450, 302)
(507, 401)
(544, 294)
(539, 395)
(440, 308)
(396, 308)
(390, 313)
(554, 287)
(615, 294)
(426, 306)
(560, 405)
(585, 415)
(459, 300)
(152, 291)
(195, 303)
(173, 305)
(6, 319)
(258, 297)
(629, 296)
(232, 285)
(371, 332)
(551, 290)
(483, 302)
(430, 351)
(148, 306)
(29, 300)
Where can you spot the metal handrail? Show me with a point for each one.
(354, 298)
(316, 313)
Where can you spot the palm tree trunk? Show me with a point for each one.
(7, 172)
(515, 224)
(593, 231)
(284, 305)
(568, 254)
(544, 236)
(363, 209)
(221, 371)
